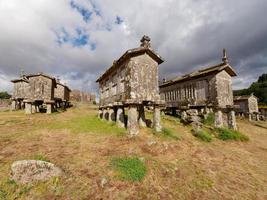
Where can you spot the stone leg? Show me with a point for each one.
(100, 113)
(232, 120)
(156, 119)
(133, 128)
(257, 117)
(13, 105)
(105, 114)
(28, 108)
(183, 115)
(218, 119)
(33, 108)
(111, 115)
(49, 108)
(142, 118)
(37, 108)
(249, 117)
(120, 119)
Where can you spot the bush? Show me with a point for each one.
(169, 133)
(228, 134)
(210, 119)
(129, 168)
(204, 136)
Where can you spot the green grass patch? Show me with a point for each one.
(204, 136)
(210, 119)
(169, 133)
(41, 157)
(228, 134)
(129, 168)
(88, 124)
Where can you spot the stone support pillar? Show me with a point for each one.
(156, 119)
(232, 120)
(100, 113)
(111, 115)
(257, 117)
(132, 125)
(33, 108)
(13, 105)
(249, 117)
(49, 106)
(218, 119)
(120, 119)
(183, 115)
(28, 107)
(105, 114)
(141, 117)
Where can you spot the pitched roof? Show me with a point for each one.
(19, 80)
(41, 74)
(243, 97)
(64, 86)
(131, 53)
(205, 71)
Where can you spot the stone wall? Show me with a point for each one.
(224, 92)
(253, 104)
(60, 92)
(21, 89)
(41, 88)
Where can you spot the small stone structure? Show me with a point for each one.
(41, 91)
(62, 95)
(28, 171)
(206, 90)
(31, 92)
(247, 105)
(132, 83)
(79, 96)
(20, 90)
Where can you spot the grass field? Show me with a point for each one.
(171, 165)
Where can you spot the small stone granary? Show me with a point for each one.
(21, 88)
(41, 91)
(132, 83)
(247, 105)
(62, 95)
(204, 90)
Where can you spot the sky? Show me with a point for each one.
(77, 40)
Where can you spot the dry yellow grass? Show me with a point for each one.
(177, 169)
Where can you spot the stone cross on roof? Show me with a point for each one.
(224, 59)
(145, 41)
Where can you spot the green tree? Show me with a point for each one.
(4, 95)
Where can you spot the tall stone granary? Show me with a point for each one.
(131, 84)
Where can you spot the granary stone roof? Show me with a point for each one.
(22, 79)
(244, 97)
(41, 74)
(203, 72)
(64, 86)
(144, 48)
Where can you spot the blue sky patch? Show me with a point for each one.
(86, 14)
(118, 20)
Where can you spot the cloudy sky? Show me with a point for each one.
(78, 39)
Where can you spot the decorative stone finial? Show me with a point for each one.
(22, 73)
(145, 41)
(58, 79)
(224, 59)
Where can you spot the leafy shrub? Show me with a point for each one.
(169, 133)
(204, 136)
(129, 168)
(228, 134)
(210, 119)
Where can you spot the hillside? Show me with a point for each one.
(174, 166)
(259, 89)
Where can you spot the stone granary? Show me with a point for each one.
(20, 90)
(132, 83)
(62, 95)
(247, 105)
(41, 91)
(204, 90)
